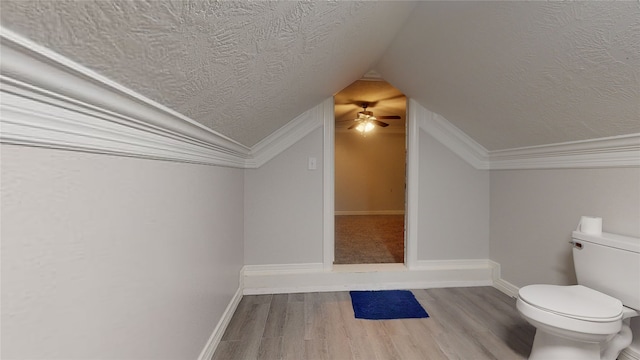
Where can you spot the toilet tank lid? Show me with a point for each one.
(612, 240)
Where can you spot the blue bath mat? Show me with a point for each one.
(386, 305)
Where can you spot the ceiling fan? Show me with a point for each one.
(365, 121)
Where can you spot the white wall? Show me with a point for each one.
(283, 207)
(370, 172)
(533, 213)
(112, 257)
(453, 207)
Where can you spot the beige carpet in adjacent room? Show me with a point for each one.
(369, 239)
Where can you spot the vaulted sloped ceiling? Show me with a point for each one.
(509, 74)
(242, 68)
(514, 74)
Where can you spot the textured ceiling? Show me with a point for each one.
(513, 74)
(509, 74)
(241, 68)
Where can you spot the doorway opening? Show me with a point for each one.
(370, 173)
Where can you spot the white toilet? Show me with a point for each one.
(589, 321)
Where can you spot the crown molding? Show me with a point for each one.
(615, 151)
(286, 136)
(50, 101)
(453, 138)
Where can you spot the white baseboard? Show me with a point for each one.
(257, 270)
(370, 212)
(216, 336)
(502, 284)
(312, 277)
(506, 287)
(297, 278)
(629, 354)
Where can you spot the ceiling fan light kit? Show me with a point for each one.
(366, 122)
(364, 127)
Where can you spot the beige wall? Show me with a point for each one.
(369, 172)
(533, 213)
(113, 257)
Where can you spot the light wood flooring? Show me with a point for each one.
(465, 323)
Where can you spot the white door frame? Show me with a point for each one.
(411, 229)
(328, 181)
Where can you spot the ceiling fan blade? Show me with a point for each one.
(389, 117)
(380, 123)
(391, 98)
(352, 126)
(370, 103)
(358, 103)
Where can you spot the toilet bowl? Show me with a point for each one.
(589, 321)
(572, 322)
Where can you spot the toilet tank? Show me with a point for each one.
(609, 263)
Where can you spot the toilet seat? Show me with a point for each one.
(564, 324)
(576, 301)
(576, 309)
